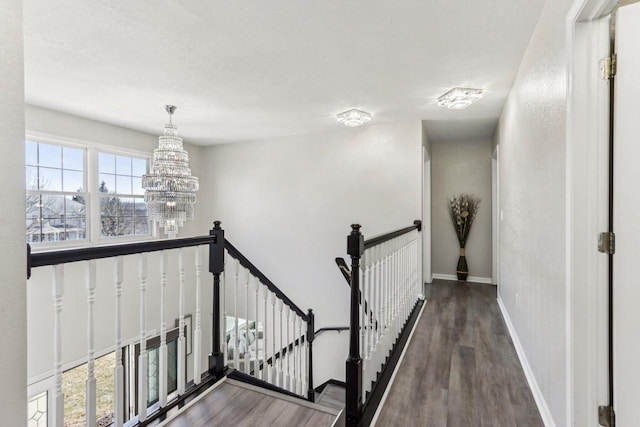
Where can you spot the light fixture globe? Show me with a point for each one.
(353, 118)
(169, 187)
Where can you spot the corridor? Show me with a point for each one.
(460, 368)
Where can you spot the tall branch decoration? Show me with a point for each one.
(463, 209)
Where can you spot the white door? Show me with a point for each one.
(626, 295)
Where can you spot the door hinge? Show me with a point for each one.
(606, 416)
(607, 243)
(608, 66)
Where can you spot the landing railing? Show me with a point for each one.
(254, 327)
(386, 295)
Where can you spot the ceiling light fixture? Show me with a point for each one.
(459, 98)
(169, 187)
(354, 117)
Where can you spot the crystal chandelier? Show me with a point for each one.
(459, 98)
(169, 187)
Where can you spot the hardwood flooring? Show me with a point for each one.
(237, 405)
(461, 368)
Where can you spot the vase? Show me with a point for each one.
(462, 269)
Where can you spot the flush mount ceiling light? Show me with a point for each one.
(459, 98)
(354, 117)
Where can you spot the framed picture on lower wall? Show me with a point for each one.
(188, 333)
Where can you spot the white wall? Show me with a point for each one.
(40, 304)
(531, 134)
(13, 366)
(461, 167)
(288, 204)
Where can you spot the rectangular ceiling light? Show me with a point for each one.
(459, 98)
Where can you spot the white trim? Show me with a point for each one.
(545, 413)
(396, 369)
(584, 181)
(470, 279)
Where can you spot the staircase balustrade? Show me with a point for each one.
(255, 328)
(386, 295)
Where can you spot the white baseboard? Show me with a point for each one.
(472, 279)
(545, 413)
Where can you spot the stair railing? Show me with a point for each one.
(281, 355)
(386, 297)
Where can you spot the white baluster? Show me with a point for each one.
(247, 350)
(236, 358)
(197, 333)
(300, 354)
(280, 361)
(257, 372)
(182, 343)
(274, 371)
(266, 371)
(58, 294)
(162, 351)
(90, 387)
(223, 301)
(287, 378)
(118, 372)
(142, 358)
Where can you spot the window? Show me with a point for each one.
(38, 410)
(56, 198)
(123, 211)
(83, 195)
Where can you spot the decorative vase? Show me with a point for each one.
(462, 269)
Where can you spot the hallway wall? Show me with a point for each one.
(13, 304)
(461, 167)
(531, 134)
(288, 204)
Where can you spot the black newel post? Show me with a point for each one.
(355, 249)
(311, 328)
(216, 267)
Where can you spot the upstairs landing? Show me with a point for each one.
(233, 403)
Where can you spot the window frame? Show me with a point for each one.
(93, 224)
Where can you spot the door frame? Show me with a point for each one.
(427, 276)
(587, 198)
(495, 220)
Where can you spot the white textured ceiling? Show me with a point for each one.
(244, 70)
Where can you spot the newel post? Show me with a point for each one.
(355, 249)
(216, 267)
(310, 336)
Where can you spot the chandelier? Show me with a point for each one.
(169, 187)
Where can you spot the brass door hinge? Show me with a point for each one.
(608, 66)
(607, 243)
(606, 416)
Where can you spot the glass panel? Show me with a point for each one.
(153, 370)
(140, 207)
(172, 366)
(31, 153)
(109, 226)
(38, 410)
(123, 184)
(50, 155)
(139, 166)
(31, 177)
(137, 187)
(141, 226)
(52, 206)
(125, 225)
(72, 181)
(108, 206)
(72, 158)
(123, 165)
(125, 206)
(106, 163)
(50, 179)
(107, 183)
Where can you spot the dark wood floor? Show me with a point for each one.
(461, 368)
(238, 405)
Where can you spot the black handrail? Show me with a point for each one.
(374, 241)
(64, 256)
(332, 328)
(235, 253)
